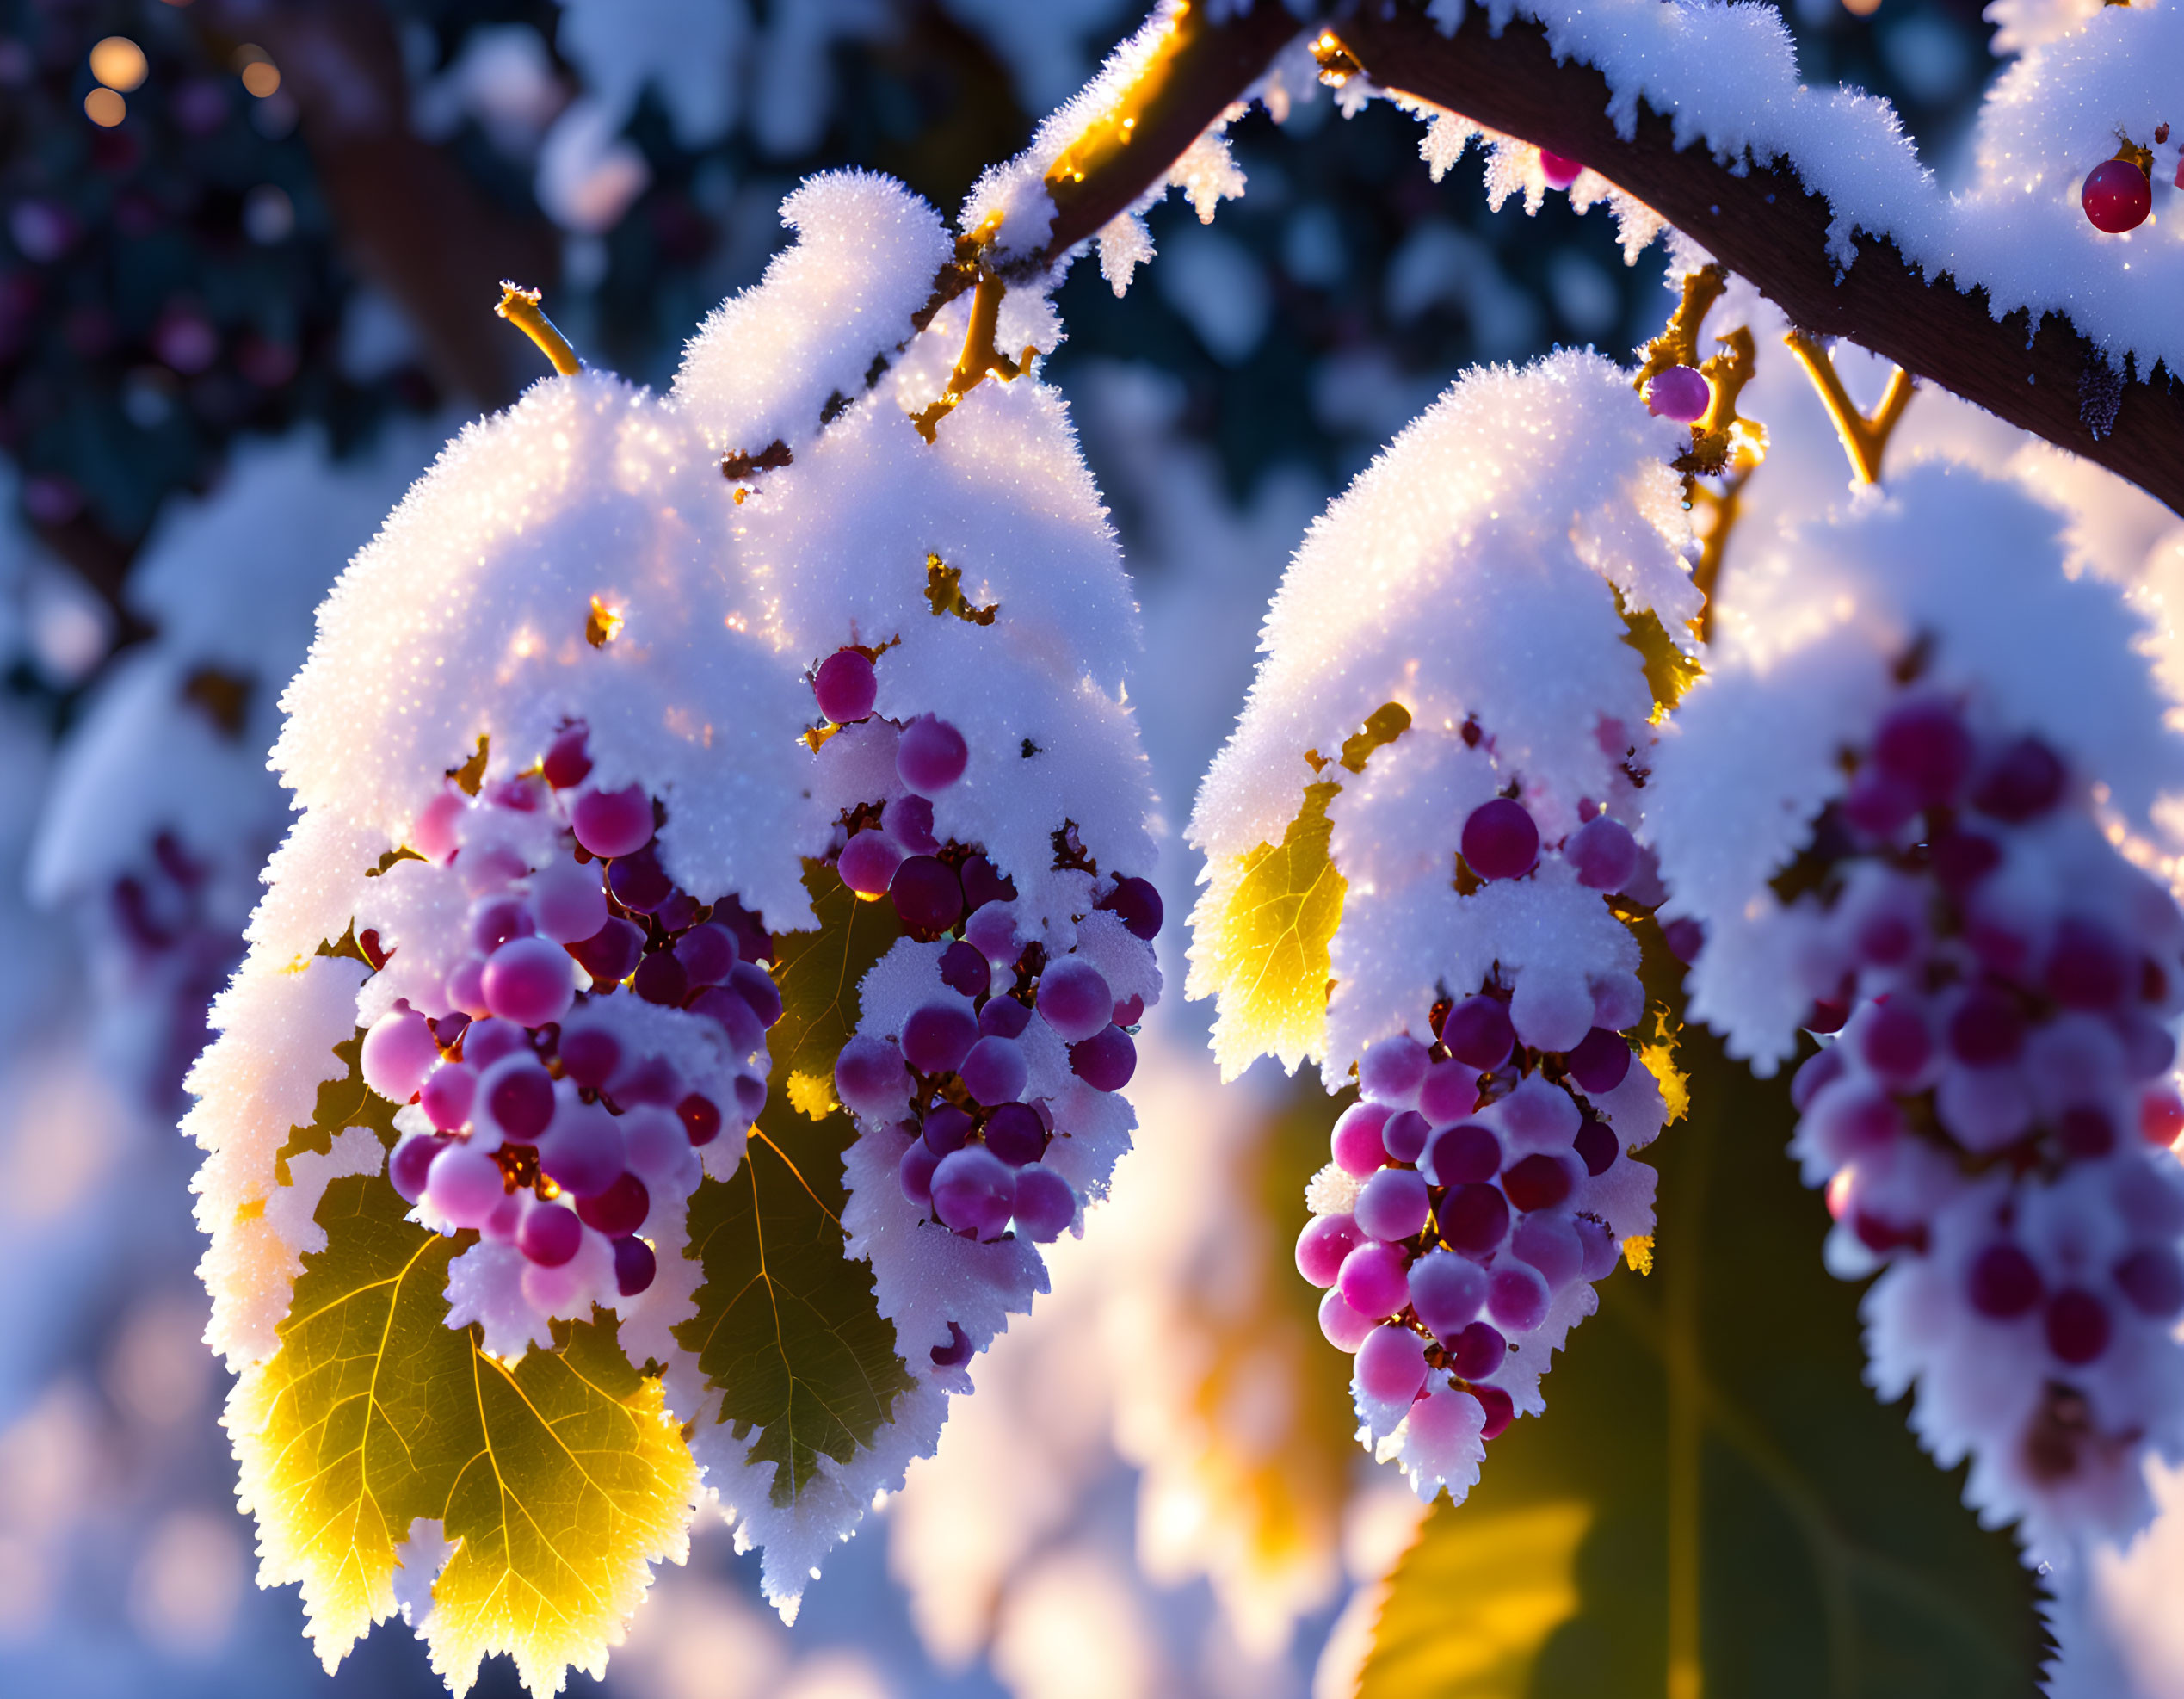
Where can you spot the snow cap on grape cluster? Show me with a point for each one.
(1471, 575)
(1971, 573)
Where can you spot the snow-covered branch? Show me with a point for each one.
(1762, 220)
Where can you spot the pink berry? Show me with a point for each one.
(868, 862)
(583, 1150)
(530, 981)
(1405, 1134)
(620, 1209)
(1500, 840)
(410, 1168)
(1392, 1070)
(1375, 1279)
(566, 903)
(398, 1053)
(1603, 853)
(909, 821)
(1895, 1043)
(845, 686)
(1450, 1092)
(1549, 1244)
(612, 823)
(1478, 1350)
(434, 835)
(1681, 393)
(1516, 1298)
(1393, 1204)
(1391, 1365)
(1921, 744)
(1474, 1219)
(549, 1234)
(1446, 1291)
(1075, 998)
(567, 762)
(1559, 171)
(1478, 1031)
(931, 756)
(1346, 1330)
(707, 953)
(446, 1095)
(1325, 1241)
(465, 1185)
(1357, 1144)
(2117, 197)
(1045, 1204)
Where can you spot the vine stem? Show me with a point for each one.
(519, 306)
(1865, 437)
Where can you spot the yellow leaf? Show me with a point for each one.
(1260, 938)
(1472, 1601)
(558, 1481)
(811, 1095)
(1637, 1253)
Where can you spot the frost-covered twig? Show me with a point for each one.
(1764, 223)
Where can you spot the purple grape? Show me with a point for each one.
(867, 862)
(398, 1053)
(1559, 171)
(529, 981)
(947, 1127)
(931, 756)
(567, 902)
(2023, 782)
(700, 1119)
(516, 1096)
(915, 1173)
(1105, 1060)
(621, 1208)
(938, 1036)
(1405, 1134)
(446, 1096)
(609, 956)
(485, 1042)
(1393, 1204)
(1130, 1011)
(465, 1184)
(1325, 1241)
(449, 1029)
(2151, 1277)
(1345, 1329)
(610, 823)
(2086, 1132)
(1357, 1142)
(1681, 393)
(1961, 859)
(2088, 967)
(909, 821)
(411, 1165)
(733, 1014)
(1500, 1408)
(1478, 1034)
(2148, 1047)
(567, 762)
(974, 1193)
(1016, 1135)
(1474, 1219)
(1465, 1154)
(1391, 1365)
(1450, 1092)
(1392, 1071)
(1046, 1205)
(639, 883)
(750, 1096)
(963, 969)
(707, 953)
(1537, 1182)
(1602, 1251)
(2001, 1283)
(583, 1152)
(2078, 1326)
(495, 920)
(1600, 1062)
(660, 979)
(1685, 938)
(1894, 1042)
(1550, 1244)
(1826, 1016)
(1075, 998)
(1879, 805)
(756, 987)
(1604, 854)
(548, 1234)
(1003, 1017)
(1446, 1290)
(1596, 1145)
(634, 1266)
(983, 885)
(1516, 1298)
(1478, 1351)
(1500, 840)
(1374, 1280)
(1136, 903)
(1922, 745)
(991, 931)
(870, 1078)
(955, 1353)
(928, 895)
(995, 1071)
(845, 686)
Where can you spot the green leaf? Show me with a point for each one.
(788, 1325)
(1714, 1502)
(558, 1480)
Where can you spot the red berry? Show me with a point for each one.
(2077, 1326)
(2117, 196)
(1559, 171)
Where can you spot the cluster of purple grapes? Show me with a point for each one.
(1992, 1109)
(556, 1111)
(1469, 1166)
(958, 1076)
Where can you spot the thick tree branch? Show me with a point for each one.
(1767, 226)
